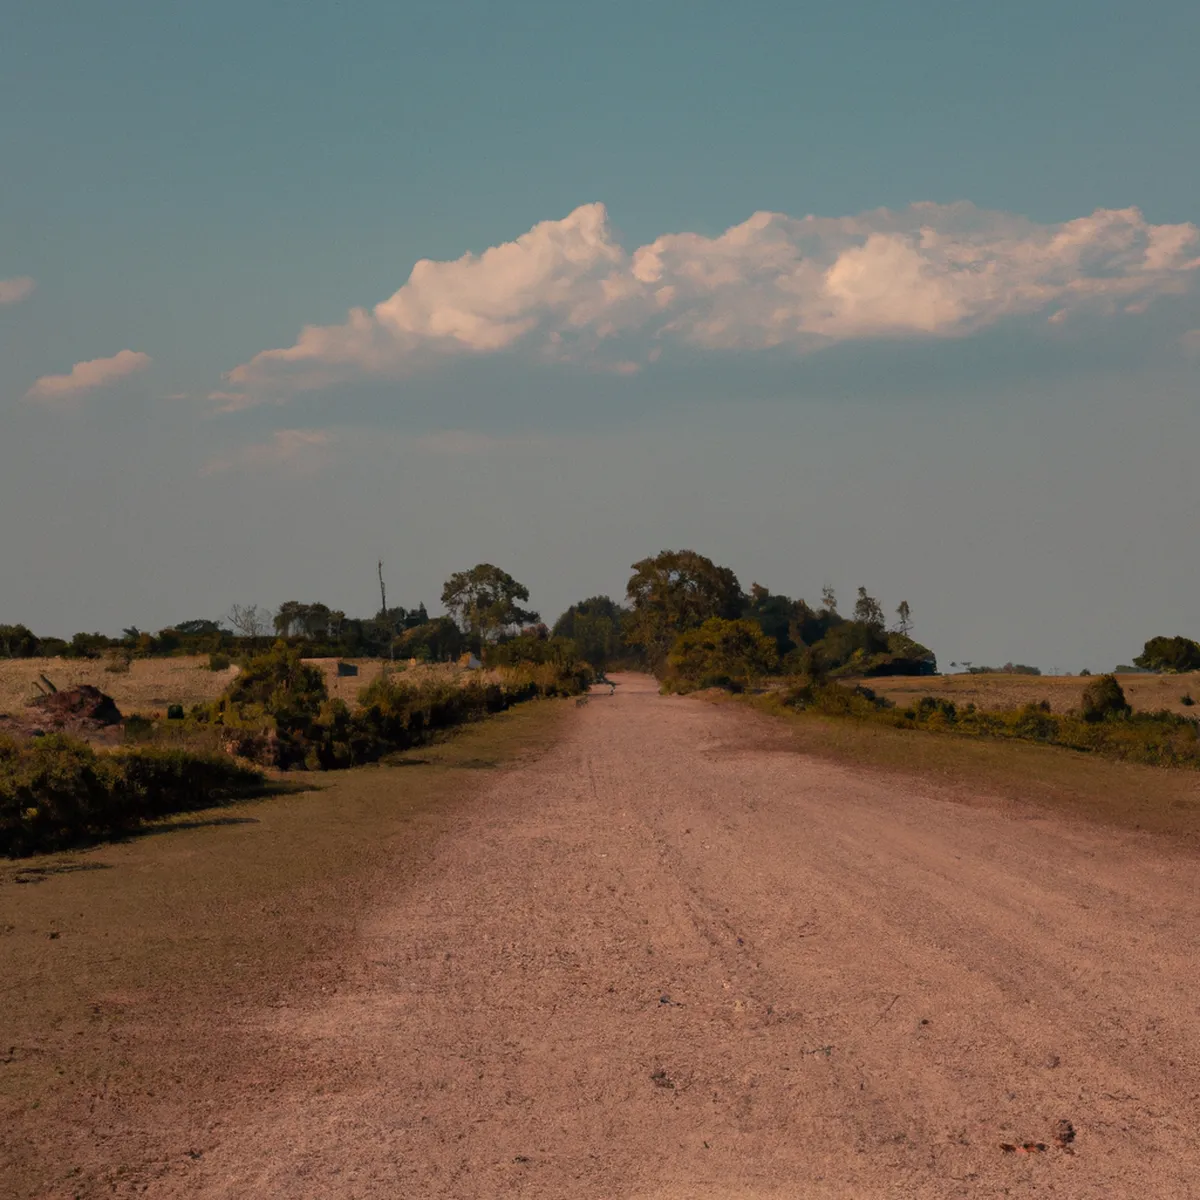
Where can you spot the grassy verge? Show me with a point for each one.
(128, 968)
(1153, 799)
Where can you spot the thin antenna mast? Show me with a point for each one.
(384, 615)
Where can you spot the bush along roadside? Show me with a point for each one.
(1103, 725)
(57, 792)
(277, 711)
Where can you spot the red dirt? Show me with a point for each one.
(674, 959)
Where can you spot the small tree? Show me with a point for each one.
(829, 598)
(484, 601)
(868, 610)
(903, 618)
(249, 620)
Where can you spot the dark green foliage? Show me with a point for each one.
(281, 683)
(1104, 699)
(674, 592)
(721, 653)
(790, 622)
(1008, 669)
(1169, 654)
(276, 712)
(219, 661)
(88, 645)
(199, 628)
(485, 601)
(833, 700)
(439, 640)
(56, 792)
(534, 648)
(16, 641)
(595, 626)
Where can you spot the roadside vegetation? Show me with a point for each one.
(56, 791)
(1104, 723)
(271, 703)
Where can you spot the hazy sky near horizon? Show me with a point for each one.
(905, 296)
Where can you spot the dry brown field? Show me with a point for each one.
(1146, 693)
(151, 684)
(148, 686)
(347, 687)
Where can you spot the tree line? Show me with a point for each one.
(668, 596)
(683, 616)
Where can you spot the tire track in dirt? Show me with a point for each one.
(672, 958)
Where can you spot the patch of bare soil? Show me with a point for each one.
(672, 959)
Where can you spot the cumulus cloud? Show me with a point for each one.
(14, 290)
(85, 376)
(291, 449)
(568, 291)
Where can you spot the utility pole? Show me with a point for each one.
(384, 615)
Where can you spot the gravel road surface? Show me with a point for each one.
(672, 959)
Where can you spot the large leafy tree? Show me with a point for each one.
(1169, 654)
(673, 592)
(485, 601)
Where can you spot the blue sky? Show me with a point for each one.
(985, 405)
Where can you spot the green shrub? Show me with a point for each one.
(219, 661)
(722, 653)
(56, 792)
(276, 712)
(1104, 699)
(281, 683)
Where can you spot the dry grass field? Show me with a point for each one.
(1146, 693)
(347, 687)
(151, 684)
(148, 686)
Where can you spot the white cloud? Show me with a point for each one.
(84, 376)
(567, 291)
(291, 449)
(14, 290)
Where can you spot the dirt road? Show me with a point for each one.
(673, 959)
